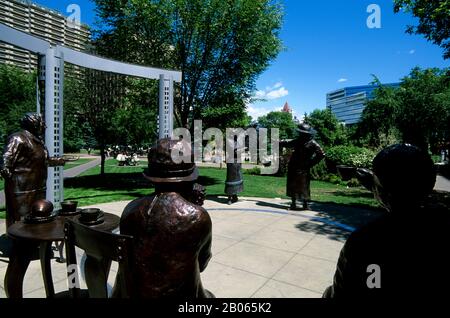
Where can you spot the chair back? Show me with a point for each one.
(101, 248)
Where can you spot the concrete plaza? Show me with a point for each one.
(260, 249)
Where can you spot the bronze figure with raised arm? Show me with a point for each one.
(24, 167)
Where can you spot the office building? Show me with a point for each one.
(348, 103)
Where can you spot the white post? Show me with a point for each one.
(165, 119)
(54, 81)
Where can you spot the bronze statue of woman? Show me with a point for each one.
(24, 167)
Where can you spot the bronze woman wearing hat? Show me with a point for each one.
(24, 167)
(307, 153)
(234, 184)
(172, 232)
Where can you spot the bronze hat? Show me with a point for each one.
(306, 129)
(163, 169)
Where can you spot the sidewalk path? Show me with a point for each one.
(442, 184)
(70, 173)
(260, 249)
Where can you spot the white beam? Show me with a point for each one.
(107, 65)
(39, 46)
(23, 40)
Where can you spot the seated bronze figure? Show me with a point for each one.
(172, 232)
(402, 252)
(24, 167)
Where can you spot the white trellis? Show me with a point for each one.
(50, 99)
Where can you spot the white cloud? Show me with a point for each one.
(260, 94)
(257, 112)
(272, 92)
(277, 85)
(281, 92)
(412, 51)
(342, 80)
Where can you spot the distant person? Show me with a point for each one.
(24, 167)
(121, 158)
(307, 153)
(404, 252)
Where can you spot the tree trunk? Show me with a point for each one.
(102, 156)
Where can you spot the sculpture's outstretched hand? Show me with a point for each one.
(5, 173)
(56, 161)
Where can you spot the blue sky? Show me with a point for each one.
(327, 46)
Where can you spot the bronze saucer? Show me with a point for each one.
(69, 213)
(29, 219)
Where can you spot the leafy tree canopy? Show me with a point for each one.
(220, 46)
(434, 20)
(280, 120)
(330, 132)
(17, 96)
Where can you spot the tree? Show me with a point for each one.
(280, 120)
(74, 123)
(423, 113)
(220, 46)
(434, 20)
(104, 93)
(418, 112)
(377, 126)
(17, 97)
(330, 132)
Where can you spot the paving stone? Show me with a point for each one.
(282, 240)
(227, 282)
(307, 272)
(254, 258)
(322, 247)
(275, 289)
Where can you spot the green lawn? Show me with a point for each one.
(127, 183)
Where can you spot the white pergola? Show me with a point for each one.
(50, 101)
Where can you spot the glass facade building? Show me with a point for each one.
(348, 103)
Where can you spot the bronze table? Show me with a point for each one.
(26, 237)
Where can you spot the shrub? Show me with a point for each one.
(353, 183)
(255, 171)
(350, 156)
(319, 171)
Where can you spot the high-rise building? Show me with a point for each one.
(348, 103)
(41, 22)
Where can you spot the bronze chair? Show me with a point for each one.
(101, 248)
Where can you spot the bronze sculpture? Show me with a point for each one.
(172, 235)
(234, 184)
(24, 167)
(401, 252)
(307, 153)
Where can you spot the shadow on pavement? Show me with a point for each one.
(335, 221)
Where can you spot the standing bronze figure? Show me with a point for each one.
(234, 184)
(24, 167)
(307, 153)
(172, 232)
